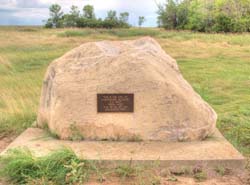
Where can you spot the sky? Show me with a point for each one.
(34, 12)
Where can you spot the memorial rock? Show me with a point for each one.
(122, 90)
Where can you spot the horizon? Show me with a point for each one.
(35, 12)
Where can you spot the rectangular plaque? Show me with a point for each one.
(115, 103)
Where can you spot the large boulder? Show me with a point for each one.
(166, 107)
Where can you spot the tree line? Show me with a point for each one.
(205, 15)
(74, 18)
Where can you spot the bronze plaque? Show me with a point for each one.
(115, 103)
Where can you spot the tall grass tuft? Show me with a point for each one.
(15, 124)
(19, 166)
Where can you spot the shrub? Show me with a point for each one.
(223, 24)
(205, 16)
(49, 24)
(241, 25)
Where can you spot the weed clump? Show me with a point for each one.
(76, 134)
(126, 170)
(200, 176)
(60, 167)
(49, 132)
(222, 170)
(135, 138)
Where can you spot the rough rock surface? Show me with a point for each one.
(166, 106)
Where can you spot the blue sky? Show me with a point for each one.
(33, 12)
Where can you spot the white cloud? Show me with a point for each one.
(31, 4)
(7, 4)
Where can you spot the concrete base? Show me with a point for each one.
(213, 152)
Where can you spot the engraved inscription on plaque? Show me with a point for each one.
(115, 103)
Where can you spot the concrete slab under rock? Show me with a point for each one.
(211, 153)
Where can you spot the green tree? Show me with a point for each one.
(56, 15)
(111, 15)
(196, 16)
(70, 20)
(182, 14)
(124, 16)
(111, 21)
(171, 14)
(49, 23)
(141, 20)
(88, 12)
(232, 15)
(74, 11)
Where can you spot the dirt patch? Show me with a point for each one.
(4, 142)
(226, 180)
(178, 180)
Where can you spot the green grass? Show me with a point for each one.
(223, 83)
(59, 167)
(133, 32)
(75, 33)
(216, 65)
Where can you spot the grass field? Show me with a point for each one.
(216, 65)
